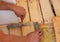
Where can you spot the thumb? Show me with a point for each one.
(38, 31)
(34, 32)
(22, 17)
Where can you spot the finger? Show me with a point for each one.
(41, 36)
(35, 33)
(22, 16)
(37, 37)
(38, 31)
(30, 34)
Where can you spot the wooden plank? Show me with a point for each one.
(47, 11)
(56, 4)
(28, 29)
(35, 12)
(15, 31)
(56, 21)
(4, 29)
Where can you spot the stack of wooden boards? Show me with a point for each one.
(36, 11)
(41, 11)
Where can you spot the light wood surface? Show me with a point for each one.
(35, 12)
(47, 11)
(56, 5)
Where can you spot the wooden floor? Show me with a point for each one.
(41, 11)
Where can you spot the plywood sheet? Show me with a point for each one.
(4, 29)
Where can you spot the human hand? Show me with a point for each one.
(31, 37)
(20, 11)
(34, 36)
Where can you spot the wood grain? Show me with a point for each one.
(56, 4)
(35, 12)
(47, 11)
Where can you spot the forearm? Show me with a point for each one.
(17, 9)
(10, 38)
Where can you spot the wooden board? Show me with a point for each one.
(35, 12)
(48, 33)
(47, 11)
(15, 31)
(56, 4)
(4, 29)
(28, 29)
(56, 21)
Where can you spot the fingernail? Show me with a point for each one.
(39, 31)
